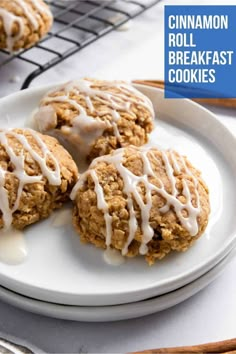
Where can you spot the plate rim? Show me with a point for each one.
(136, 309)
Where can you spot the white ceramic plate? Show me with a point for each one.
(118, 312)
(61, 270)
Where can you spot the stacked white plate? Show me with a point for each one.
(65, 279)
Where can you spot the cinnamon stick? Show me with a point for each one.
(226, 347)
(219, 102)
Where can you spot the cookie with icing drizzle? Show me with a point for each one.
(94, 117)
(23, 23)
(141, 201)
(36, 176)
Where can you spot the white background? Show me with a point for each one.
(209, 315)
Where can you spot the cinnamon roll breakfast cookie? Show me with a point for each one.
(141, 201)
(23, 23)
(36, 176)
(93, 117)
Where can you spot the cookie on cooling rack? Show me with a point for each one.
(141, 201)
(23, 23)
(36, 176)
(93, 117)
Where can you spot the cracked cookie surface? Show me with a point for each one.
(94, 117)
(36, 176)
(141, 201)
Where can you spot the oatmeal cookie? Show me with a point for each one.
(93, 117)
(141, 201)
(36, 176)
(23, 23)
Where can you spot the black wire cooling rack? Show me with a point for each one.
(77, 23)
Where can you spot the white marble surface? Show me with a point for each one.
(209, 315)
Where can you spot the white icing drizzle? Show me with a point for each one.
(114, 102)
(84, 130)
(44, 120)
(18, 161)
(174, 164)
(42, 8)
(102, 205)
(9, 19)
(13, 248)
(28, 13)
(113, 257)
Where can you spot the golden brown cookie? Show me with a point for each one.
(141, 201)
(23, 23)
(36, 176)
(93, 117)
